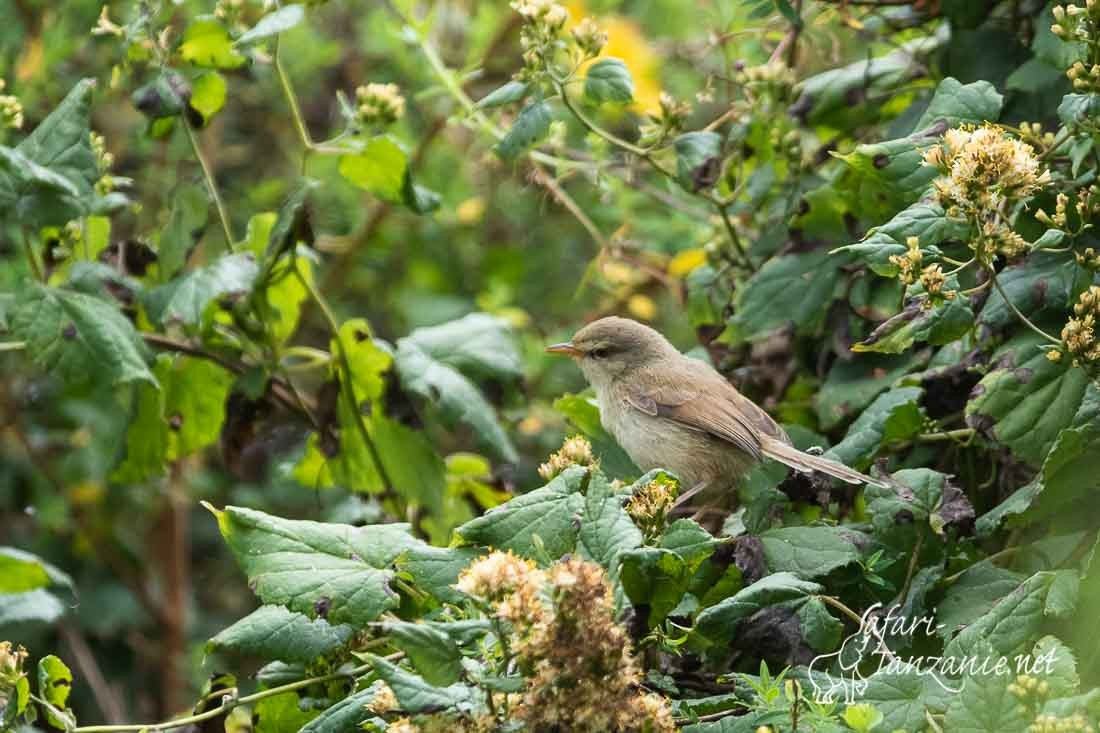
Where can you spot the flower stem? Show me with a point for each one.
(1024, 319)
(211, 186)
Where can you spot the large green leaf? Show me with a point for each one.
(852, 384)
(894, 415)
(21, 571)
(719, 622)
(273, 24)
(477, 344)
(1026, 400)
(281, 714)
(984, 705)
(275, 632)
(416, 695)
(924, 220)
(920, 321)
(917, 495)
(543, 519)
(379, 167)
(805, 283)
(656, 579)
(1010, 625)
(606, 529)
(1042, 285)
(206, 43)
(433, 653)
(185, 299)
(976, 591)
(335, 571)
(453, 394)
(807, 552)
(346, 715)
(608, 80)
(190, 209)
(955, 103)
(436, 569)
(33, 606)
(79, 338)
(531, 125)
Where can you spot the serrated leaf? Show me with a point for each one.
(512, 91)
(276, 632)
(688, 539)
(1010, 624)
(821, 630)
(970, 597)
(917, 495)
(379, 167)
(606, 529)
(698, 159)
(1077, 109)
(1042, 285)
(719, 622)
(455, 396)
(550, 513)
(273, 24)
(79, 338)
(984, 705)
(190, 210)
(925, 220)
(895, 413)
(346, 715)
(61, 142)
(807, 552)
(805, 283)
(417, 695)
(609, 80)
(335, 571)
(185, 299)
(436, 569)
(1027, 400)
(937, 324)
(208, 94)
(206, 43)
(955, 103)
(432, 652)
(904, 699)
(531, 125)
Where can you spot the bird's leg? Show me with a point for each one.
(689, 493)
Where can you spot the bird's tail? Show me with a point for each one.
(788, 455)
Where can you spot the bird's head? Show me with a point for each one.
(613, 347)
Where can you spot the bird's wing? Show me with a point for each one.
(708, 403)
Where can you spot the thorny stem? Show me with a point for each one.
(211, 186)
(346, 380)
(228, 705)
(1024, 319)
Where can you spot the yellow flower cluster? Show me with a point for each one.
(575, 451)
(11, 668)
(984, 173)
(773, 72)
(1079, 333)
(11, 110)
(1077, 24)
(1089, 259)
(1026, 687)
(379, 104)
(908, 264)
(649, 506)
(581, 672)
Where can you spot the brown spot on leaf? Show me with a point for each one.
(881, 160)
(68, 332)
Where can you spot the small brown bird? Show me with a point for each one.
(670, 411)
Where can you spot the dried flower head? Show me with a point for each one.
(590, 38)
(1079, 334)
(575, 451)
(495, 575)
(11, 665)
(546, 13)
(379, 104)
(383, 701)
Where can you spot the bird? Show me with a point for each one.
(674, 412)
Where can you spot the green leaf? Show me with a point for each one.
(281, 714)
(819, 628)
(984, 705)
(926, 221)
(654, 578)
(904, 699)
(688, 539)
(1010, 625)
(431, 651)
(916, 495)
(61, 142)
(55, 682)
(455, 397)
(805, 283)
(512, 91)
(606, 529)
(977, 590)
(38, 605)
(206, 43)
(79, 338)
(346, 715)
(807, 552)
(955, 103)
(417, 695)
(436, 569)
(548, 513)
(1069, 475)
(273, 24)
(185, 299)
(1077, 109)
(292, 225)
(583, 414)
(1027, 400)
(894, 415)
(939, 324)
(1042, 285)
(719, 622)
(608, 80)
(379, 167)
(186, 223)
(852, 384)
(531, 125)
(862, 717)
(336, 571)
(478, 344)
(698, 159)
(275, 632)
(411, 463)
(21, 571)
(208, 94)
(368, 361)
(161, 100)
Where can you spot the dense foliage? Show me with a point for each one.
(283, 272)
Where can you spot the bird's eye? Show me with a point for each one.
(599, 353)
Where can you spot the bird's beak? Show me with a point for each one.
(566, 348)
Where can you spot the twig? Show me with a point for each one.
(567, 201)
(211, 186)
(840, 606)
(1024, 319)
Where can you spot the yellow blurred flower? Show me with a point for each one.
(642, 307)
(471, 210)
(686, 261)
(626, 41)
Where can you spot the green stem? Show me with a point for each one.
(291, 99)
(1024, 319)
(1006, 552)
(13, 345)
(960, 434)
(911, 569)
(211, 186)
(224, 707)
(840, 606)
(723, 210)
(346, 380)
